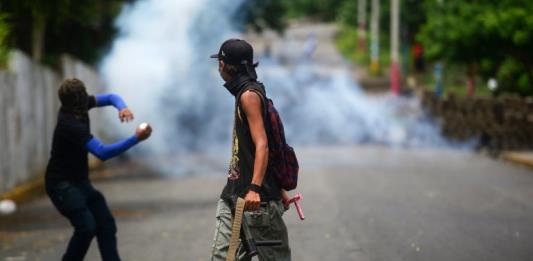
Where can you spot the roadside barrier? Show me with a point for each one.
(499, 123)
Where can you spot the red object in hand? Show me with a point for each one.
(296, 200)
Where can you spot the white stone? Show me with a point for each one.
(7, 207)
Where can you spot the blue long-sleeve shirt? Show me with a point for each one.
(107, 99)
(107, 151)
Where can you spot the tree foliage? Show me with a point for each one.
(263, 14)
(325, 10)
(496, 37)
(493, 38)
(83, 28)
(4, 31)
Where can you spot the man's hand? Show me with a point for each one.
(285, 199)
(252, 201)
(125, 115)
(143, 133)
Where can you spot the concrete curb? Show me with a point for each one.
(25, 191)
(522, 158)
(35, 187)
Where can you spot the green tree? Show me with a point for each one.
(48, 28)
(493, 38)
(4, 49)
(263, 14)
(412, 17)
(324, 10)
(347, 14)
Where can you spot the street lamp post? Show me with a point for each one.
(395, 44)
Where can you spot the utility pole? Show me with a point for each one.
(439, 66)
(374, 31)
(361, 17)
(395, 46)
(37, 36)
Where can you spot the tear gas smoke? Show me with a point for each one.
(160, 65)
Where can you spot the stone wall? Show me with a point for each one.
(499, 123)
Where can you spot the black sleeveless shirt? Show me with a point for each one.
(243, 148)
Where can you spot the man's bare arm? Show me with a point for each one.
(252, 106)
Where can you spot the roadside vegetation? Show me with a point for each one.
(474, 40)
(45, 29)
(4, 49)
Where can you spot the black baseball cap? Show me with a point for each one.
(235, 52)
(238, 52)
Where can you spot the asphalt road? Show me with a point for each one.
(361, 203)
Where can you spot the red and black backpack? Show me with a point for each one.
(282, 161)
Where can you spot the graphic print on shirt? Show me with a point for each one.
(233, 172)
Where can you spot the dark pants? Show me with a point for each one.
(87, 211)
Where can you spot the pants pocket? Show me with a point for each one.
(271, 227)
(258, 219)
(66, 197)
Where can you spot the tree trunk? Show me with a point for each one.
(38, 33)
(471, 84)
(529, 69)
(361, 8)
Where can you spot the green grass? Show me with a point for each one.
(347, 43)
(454, 81)
(460, 90)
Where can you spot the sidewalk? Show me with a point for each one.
(523, 158)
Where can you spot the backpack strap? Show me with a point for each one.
(258, 88)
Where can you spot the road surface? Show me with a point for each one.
(361, 203)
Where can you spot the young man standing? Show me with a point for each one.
(67, 174)
(248, 177)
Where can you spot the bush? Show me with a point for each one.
(4, 49)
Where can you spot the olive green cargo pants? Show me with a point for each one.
(265, 224)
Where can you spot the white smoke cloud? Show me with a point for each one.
(160, 65)
(321, 105)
